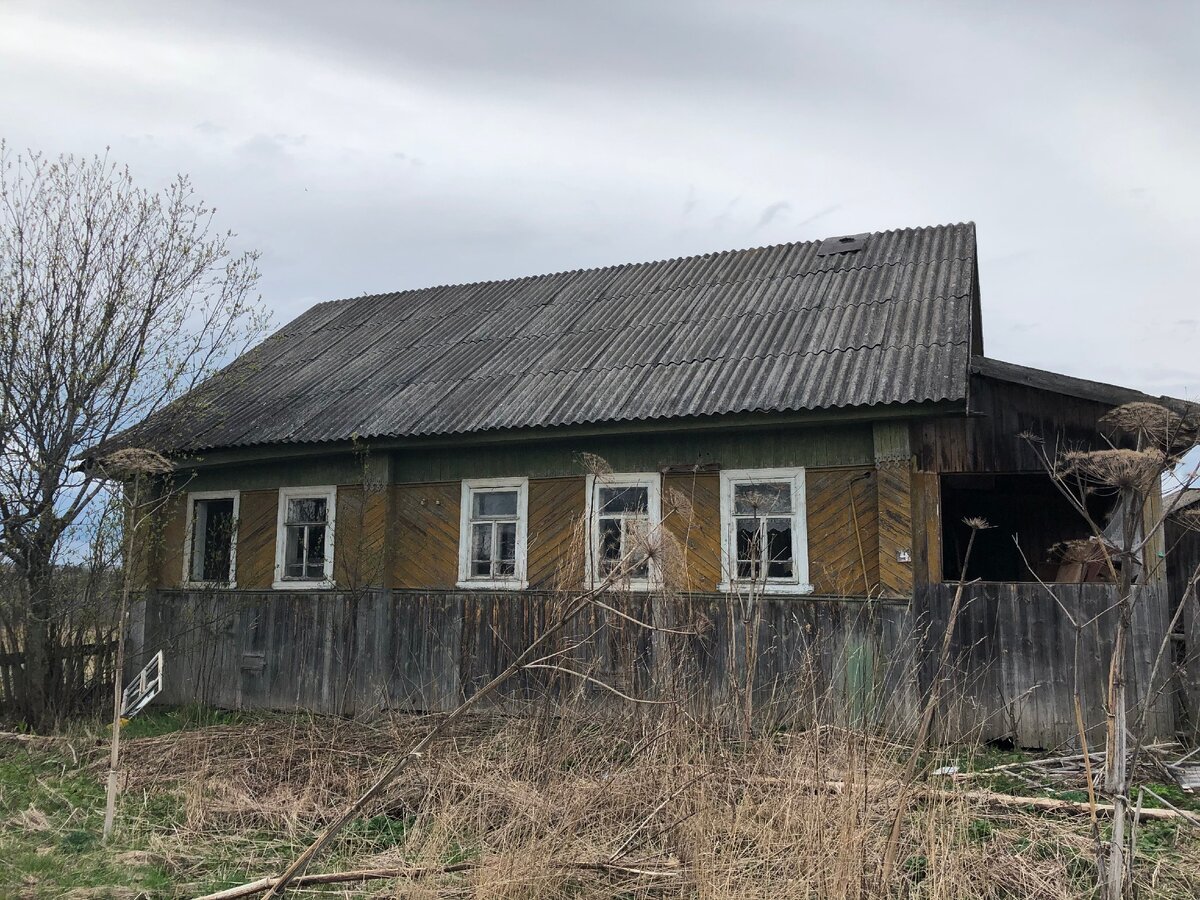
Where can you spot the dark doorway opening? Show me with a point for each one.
(1029, 515)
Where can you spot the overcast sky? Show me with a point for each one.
(366, 147)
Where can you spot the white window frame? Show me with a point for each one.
(518, 580)
(652, 481)
(799, 583)
(329, 494)
(189, 550)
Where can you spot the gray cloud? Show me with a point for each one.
(371, 146)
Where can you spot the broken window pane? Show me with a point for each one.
(748, 554)
(506, 548)
(294, 553)
(779, 548)
(212, 540)
(610, 545)
(763, 530)
(314, 561)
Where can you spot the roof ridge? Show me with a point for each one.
(629, 265)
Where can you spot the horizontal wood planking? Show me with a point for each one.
(556, 532)
(828, 445)
(425, 534)
(843, 537)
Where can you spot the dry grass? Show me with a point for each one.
(566, 805)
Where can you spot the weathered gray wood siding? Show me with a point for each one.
(1012, 673)
(428, 650)
(1017, 657)
(1183, 556)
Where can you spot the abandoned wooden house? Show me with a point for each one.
(379, 506)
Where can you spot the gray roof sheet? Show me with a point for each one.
(777, 328)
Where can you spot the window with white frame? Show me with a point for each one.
(623, 512)
(304, 539)
(210, 545)
(764, 535)
(492, 532)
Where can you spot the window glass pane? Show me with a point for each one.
(624, 499)
(293, 555)
(610, 545)
(762, 499)
(213, 532)
(506, 545)
(635, 542)
(747, 547)
(494, 503)
(481, 541)
(779, 548)
(306, 509)
(316, 546)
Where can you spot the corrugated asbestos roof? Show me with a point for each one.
(770, 329)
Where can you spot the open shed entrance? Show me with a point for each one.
(1030, 517)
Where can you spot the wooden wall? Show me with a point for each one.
(691, 506)
(406, 535)
(1183, 558)
(556, 552)
(843, 531)
(989, 440)
(1010, 676)
(425, 534)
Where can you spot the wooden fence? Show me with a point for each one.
(1014, 653)
(82, 675)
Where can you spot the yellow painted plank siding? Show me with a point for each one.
(843, 531)
(556, 532)
(424, 535)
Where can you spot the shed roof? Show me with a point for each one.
(791, 327)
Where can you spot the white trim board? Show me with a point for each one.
(801, 583)
(519, 580)
(329, 492)
(188, 536)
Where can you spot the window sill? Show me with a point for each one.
(509, 585)
(727, 587)
(301, 585)
(209, 586)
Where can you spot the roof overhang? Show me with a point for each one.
(500, 437)
(1100, 392)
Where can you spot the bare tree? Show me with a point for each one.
(1149, 444)
(114, 300)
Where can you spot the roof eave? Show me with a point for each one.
(1069, 385)
(217, 456)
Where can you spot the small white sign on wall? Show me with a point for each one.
(143, 688)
